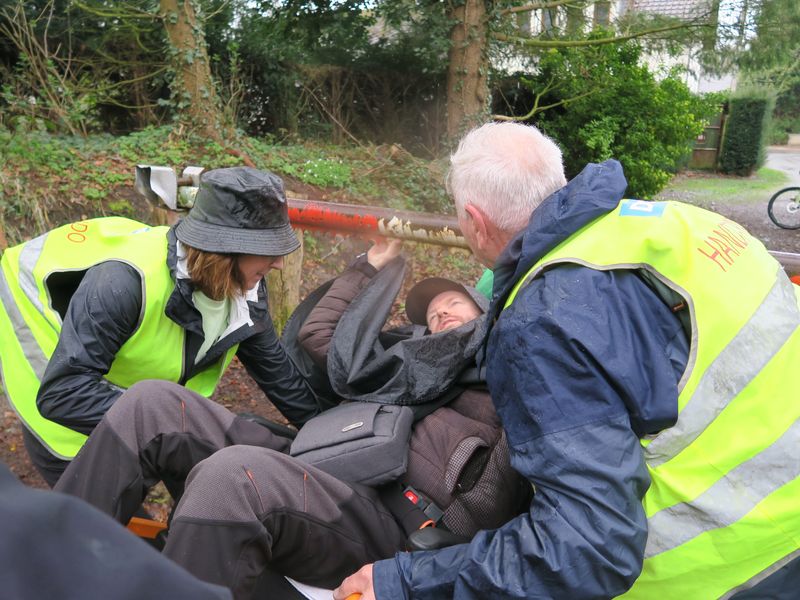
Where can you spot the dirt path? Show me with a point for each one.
(786, 159)
(754, 218)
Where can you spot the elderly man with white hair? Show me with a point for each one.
(641, 361)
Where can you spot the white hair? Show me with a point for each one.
(506, 170)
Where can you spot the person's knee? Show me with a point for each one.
(150, 404)
(145, 395)
(238, 464)
(242, 483)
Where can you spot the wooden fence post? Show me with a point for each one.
(284, 286)
(3, 241)
(163, 216)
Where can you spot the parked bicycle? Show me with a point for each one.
(784, 208)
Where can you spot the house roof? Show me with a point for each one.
(683, 9)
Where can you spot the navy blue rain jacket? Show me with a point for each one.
(57, 546)
(581, 365)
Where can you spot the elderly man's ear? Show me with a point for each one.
(483, 236)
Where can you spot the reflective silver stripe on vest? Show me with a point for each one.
(28, 258)
(754, 581)
(30, 348)
(730, 498)
(737, 365)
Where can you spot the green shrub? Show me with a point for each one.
(780, 128)
(746, 132)
(605, 104)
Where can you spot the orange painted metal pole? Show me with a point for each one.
(372, 220)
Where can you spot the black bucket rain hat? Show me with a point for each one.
(239, 210)
(420, 296)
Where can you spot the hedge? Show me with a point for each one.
(746, 129)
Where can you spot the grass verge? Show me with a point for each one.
(702, 188)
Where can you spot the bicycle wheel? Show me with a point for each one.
(784, 208)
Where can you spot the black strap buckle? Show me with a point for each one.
(433, 512)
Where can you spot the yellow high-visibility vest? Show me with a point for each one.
(723, 509)
(30, 322)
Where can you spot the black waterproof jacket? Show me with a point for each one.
(57, 546)
(457, 455)
(105, 311)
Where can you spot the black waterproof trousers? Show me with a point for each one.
(244, 504)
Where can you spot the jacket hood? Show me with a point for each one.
(594, 192)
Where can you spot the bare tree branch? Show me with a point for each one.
(118, 13)
(537, 109)
(539, 43)
(543, 6)
(330, 115)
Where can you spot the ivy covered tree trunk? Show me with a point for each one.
(467, 83)
(194, 92)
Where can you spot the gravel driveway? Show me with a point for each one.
(753, 216)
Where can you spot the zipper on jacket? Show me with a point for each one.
(181, 380)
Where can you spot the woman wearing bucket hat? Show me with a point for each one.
(128, 302)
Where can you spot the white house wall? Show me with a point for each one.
(659, 63)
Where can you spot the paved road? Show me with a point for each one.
(786, 159)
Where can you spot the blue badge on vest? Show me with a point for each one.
(641, 208)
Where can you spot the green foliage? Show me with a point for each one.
(40, 98)
(605, 104)
(160, 146)
(381, 175)
(421, 183)
(786, 116)
(326, 173)
(310, 242)
(780, 127)
(92, 193)
(324, 68)
(760, 38)
(97, 65)
(771, 37)
(322, 172)
(37, 151)
(121, 208)
(746, 130)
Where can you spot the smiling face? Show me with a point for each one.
(449, 310)
(253, 268)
